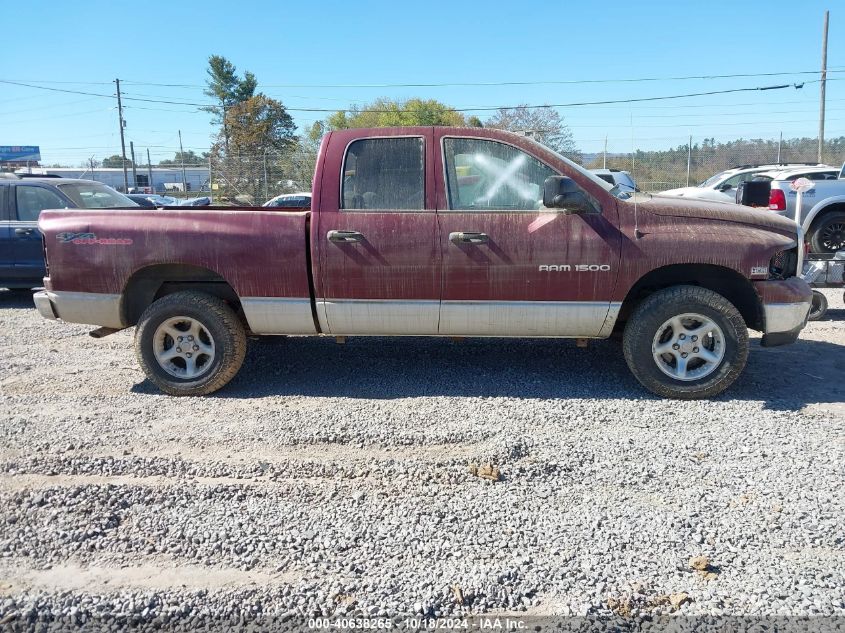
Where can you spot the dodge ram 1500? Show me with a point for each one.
(436, 232)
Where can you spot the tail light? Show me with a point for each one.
(777, 200)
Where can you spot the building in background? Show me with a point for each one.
(165, 179)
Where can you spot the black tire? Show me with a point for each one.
(227, 338)
(828, 233)
(818, 308)
(650, 316)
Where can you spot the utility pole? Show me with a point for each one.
(780, 142)
(266, 195)
(134, 169)
(91, 163)
(822, 84)
(689, 158)
(182, 159)
(210, 182)
(604, 164)
(122, 142)
(150, 173)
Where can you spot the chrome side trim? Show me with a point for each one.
(278, 315)
(785, 317)
(92, 308)
(380, 316)
(587, 319)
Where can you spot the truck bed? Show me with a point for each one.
(264, 253)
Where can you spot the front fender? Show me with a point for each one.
(818, 208)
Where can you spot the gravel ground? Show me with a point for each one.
(335, 480)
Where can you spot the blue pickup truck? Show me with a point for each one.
(22, 199)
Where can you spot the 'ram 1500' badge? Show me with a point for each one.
(578, 268)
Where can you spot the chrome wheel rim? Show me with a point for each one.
(688, 347)
(183, 347)
(833, 236)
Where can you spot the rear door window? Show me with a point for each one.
(384, 173)
(31, 200)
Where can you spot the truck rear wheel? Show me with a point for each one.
(190, 343)
(686, 342)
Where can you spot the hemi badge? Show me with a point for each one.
(759, 270)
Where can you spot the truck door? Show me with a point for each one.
(7, 261)
(29, 201)
(377, 233)
(510, 266)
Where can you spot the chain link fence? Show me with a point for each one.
(255, 178)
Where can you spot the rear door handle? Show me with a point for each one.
(345, 237)
(24, 231)
(464, 237)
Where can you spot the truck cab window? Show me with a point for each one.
(490, 175)
(384, 173)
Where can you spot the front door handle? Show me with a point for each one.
(464, 237)
(24, 231)
(345, 237)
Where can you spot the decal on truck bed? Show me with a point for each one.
(91, 238)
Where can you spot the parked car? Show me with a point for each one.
(721, 187)
(618, 177)
(822, 213)
(162, 201)
(141, 199)
(21, 202)
(441, 232)
(202, 201)
(300, 200)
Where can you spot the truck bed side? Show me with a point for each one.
(116, 261)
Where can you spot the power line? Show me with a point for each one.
(506, 83)
(472, 109)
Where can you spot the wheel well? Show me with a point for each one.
(728, 283)
(153, 282)
(839, 206)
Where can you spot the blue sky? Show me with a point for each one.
(390, 42)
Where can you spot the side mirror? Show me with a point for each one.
(560, 192)
(726, 187)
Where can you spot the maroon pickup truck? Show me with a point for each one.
(436, 232)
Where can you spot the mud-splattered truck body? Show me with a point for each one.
(436, 232)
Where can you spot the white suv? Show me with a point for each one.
(722, 186)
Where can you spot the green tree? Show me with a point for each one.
(256, 133)
(543, 124)
(258, 124)
(385, 112)
(191, 158)
(116, 161)
(226, 88)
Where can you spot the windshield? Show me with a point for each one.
(714, 179)
(95, 195)
(613, 190)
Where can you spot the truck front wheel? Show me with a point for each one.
(686, 342)
(190, 343)
(828, 233)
